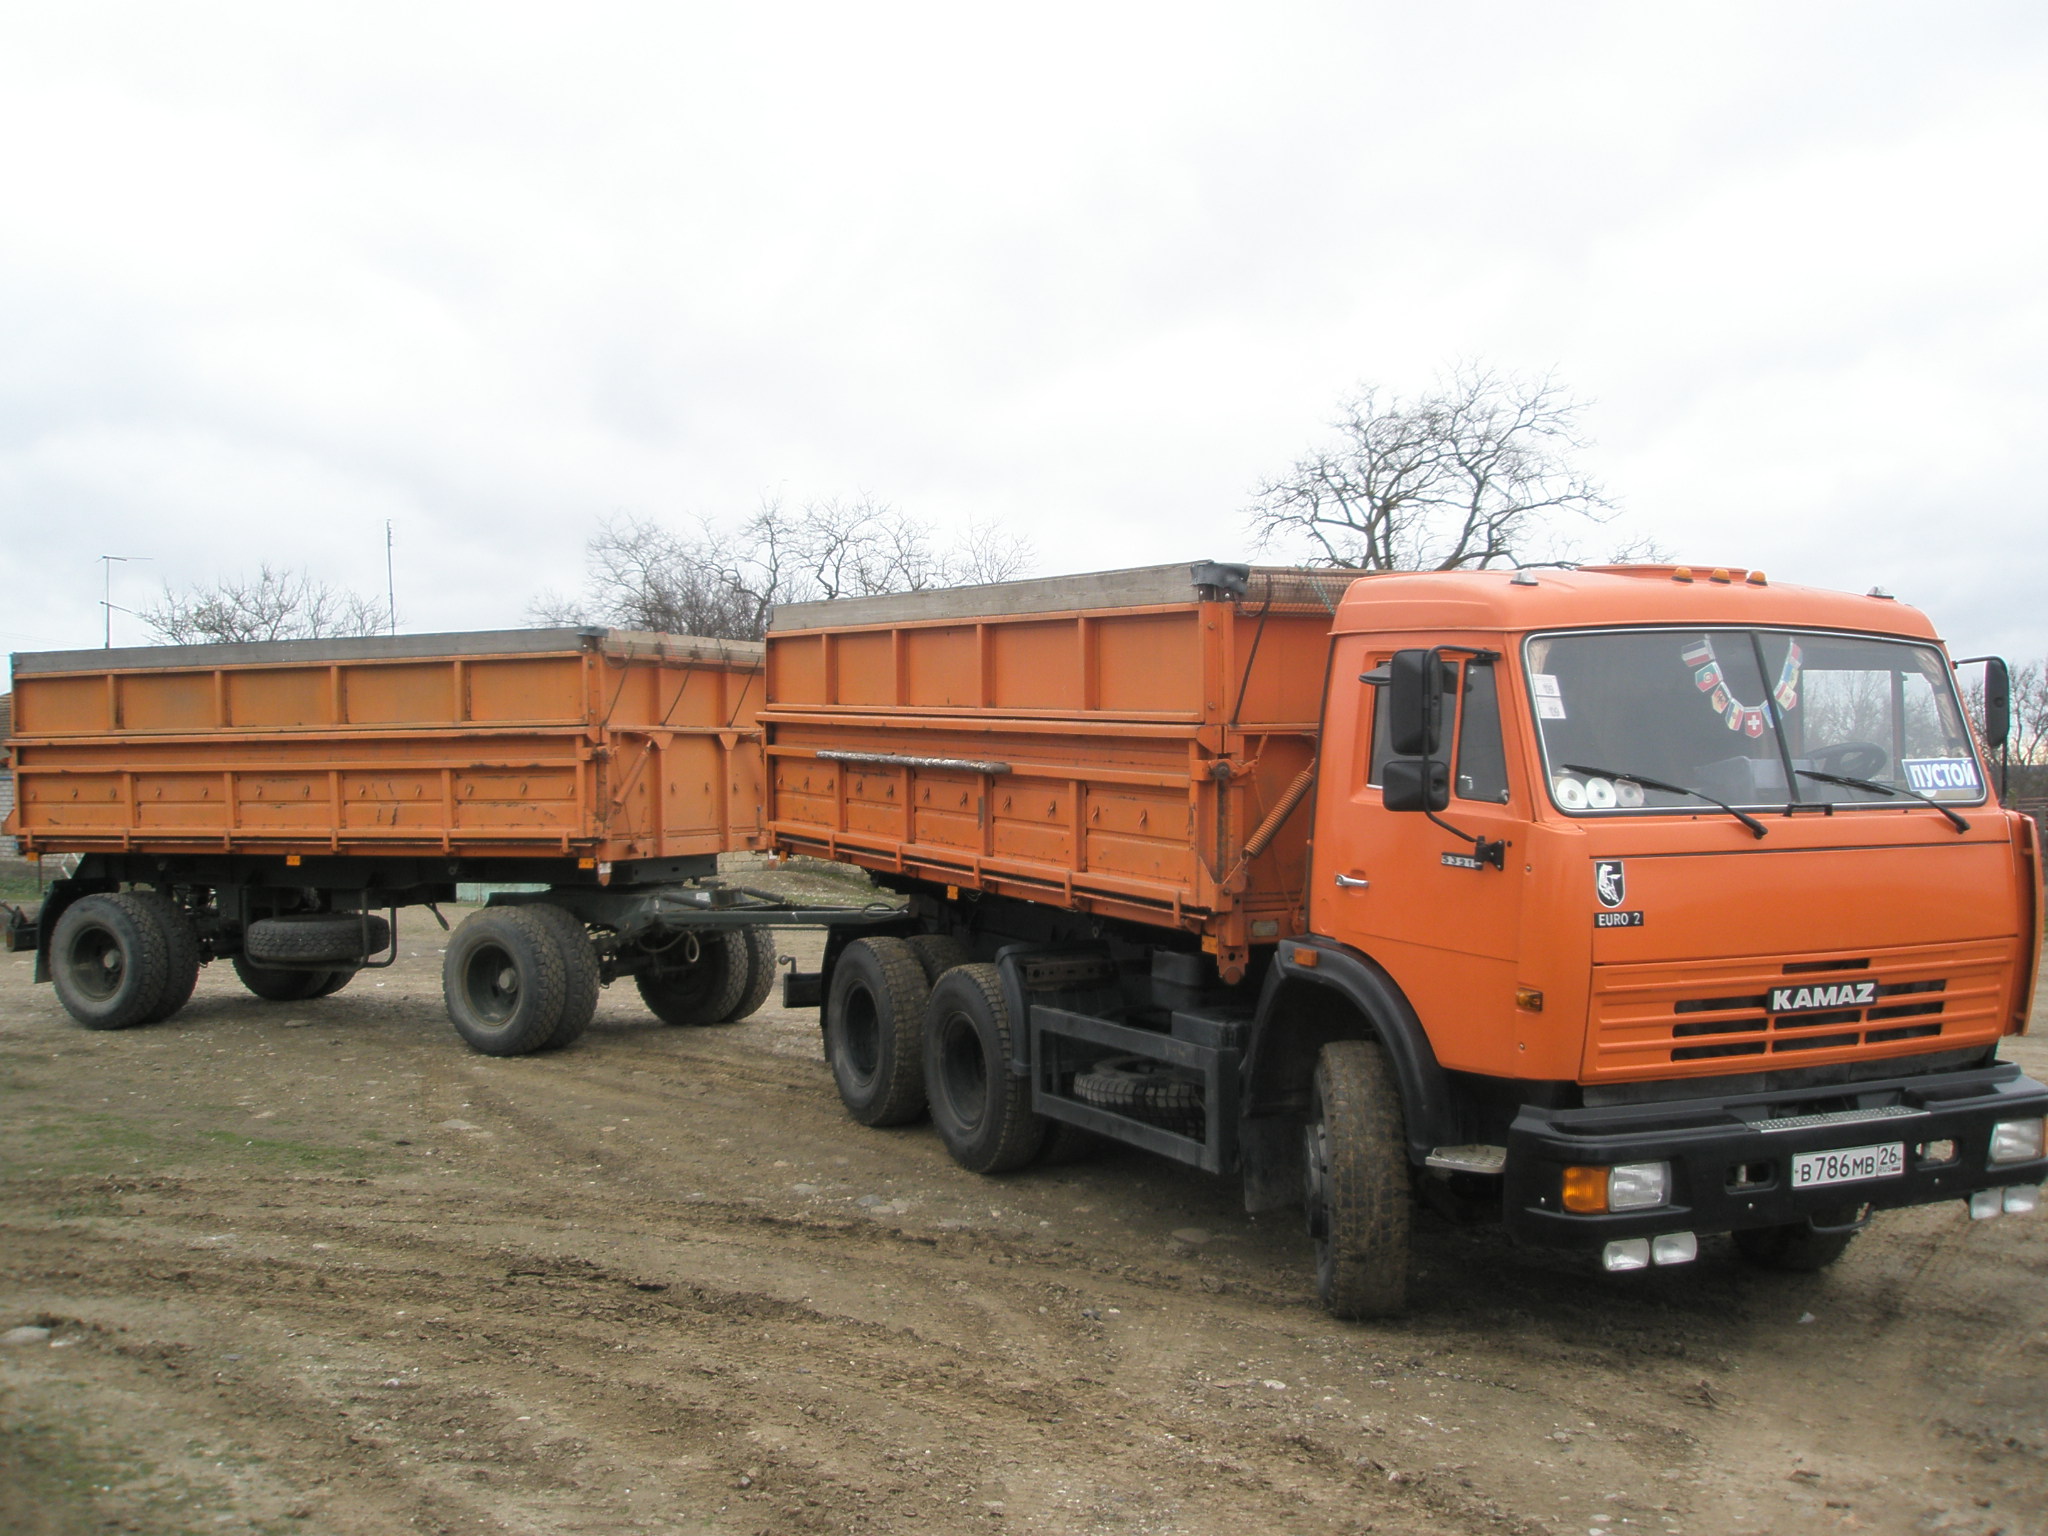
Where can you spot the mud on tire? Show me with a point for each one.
(1358, 1183)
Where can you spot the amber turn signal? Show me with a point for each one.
(1306, 956)
(1585, 1190)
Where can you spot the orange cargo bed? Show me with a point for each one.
(1132, 743)
(606, 745)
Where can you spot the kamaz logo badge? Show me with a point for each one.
(1845, 994)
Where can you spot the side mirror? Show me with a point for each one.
(1997, 702)
(1415, 704)
(1415, 783)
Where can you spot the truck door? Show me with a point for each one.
(1407, 891)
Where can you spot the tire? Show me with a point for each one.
(276, 985)
(874, 1023)
(1155, 1092)
(937, 953)
(980, 1108)
(1796, 1247)
(703, 991)
(110, 960)
(181, 956)
(505, 981)
(308, 938)
(1358, 1183)
(761, 958)
(579, 972)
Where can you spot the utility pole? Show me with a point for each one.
(107, 596)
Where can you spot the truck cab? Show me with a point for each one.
(1663, 902)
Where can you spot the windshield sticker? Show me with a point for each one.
(1610, 882)
(1545, 684)
(1931, 775)
(1548, 708)
(1787, 691)
(1708, 677)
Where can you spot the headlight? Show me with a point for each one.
(1638, 1186)
(2016, 1141)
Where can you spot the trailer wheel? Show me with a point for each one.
(703, 991)
(181, 954)
(981, 1109)
(1358, 1183)
(874, 1016)
(579, 972)
(761, 958)
(1156, 1092)
(505, 981)
(308, 938)
(110, 960)
(937, 953)
(276, 985)
(1796, 1247)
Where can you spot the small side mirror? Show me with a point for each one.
(1415, 783)
(1415, 704)
(1997, 702)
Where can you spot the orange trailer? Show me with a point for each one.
(1627, 904)
(270, 803)
(591, 744)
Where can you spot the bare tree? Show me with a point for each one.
(1473, 472)
(273, 605)
(710, 581)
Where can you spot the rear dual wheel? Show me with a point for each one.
(519, 979)
(123, 958)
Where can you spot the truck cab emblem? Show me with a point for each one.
(1609, 883)
(1846, 994)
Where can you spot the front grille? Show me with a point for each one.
(1719, 1016)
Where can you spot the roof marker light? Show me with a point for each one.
(1720, 574)
(1756, 579)
(1681, 573)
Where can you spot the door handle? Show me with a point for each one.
(1352, 882)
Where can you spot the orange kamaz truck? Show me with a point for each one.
(1626, 904)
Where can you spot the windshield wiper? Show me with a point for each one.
(1882, 789)
(1744, 817)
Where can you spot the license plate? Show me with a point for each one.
(1849, 1165)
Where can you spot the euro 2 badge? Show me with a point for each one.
(1609, 883)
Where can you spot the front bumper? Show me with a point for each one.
(1730, 1172)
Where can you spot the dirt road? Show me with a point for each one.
(316, 1267)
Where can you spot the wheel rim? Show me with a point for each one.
(490, 982)
(96, 963)
(963, 1070)
(860, 1034)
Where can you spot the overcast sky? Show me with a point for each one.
(272, 275)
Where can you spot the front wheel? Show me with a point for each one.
(1358, 1194)
(506, 981)
(679, 989)
(980, 1108)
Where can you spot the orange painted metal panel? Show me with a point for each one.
(1110, 758)
(594, 744)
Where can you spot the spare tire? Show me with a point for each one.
(281, 986)
(1156, 1092)
(315, 938)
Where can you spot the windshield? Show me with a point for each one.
(1723, 713)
